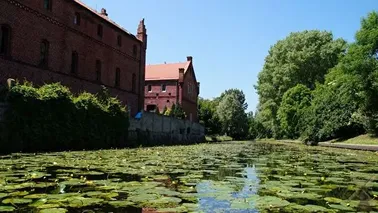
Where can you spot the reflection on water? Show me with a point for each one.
(214, 204)
(248, 177)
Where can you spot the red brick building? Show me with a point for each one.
(168, 84)
(65, 41)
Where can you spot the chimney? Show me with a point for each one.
(189, 58)
(181, 75)
(103, 12)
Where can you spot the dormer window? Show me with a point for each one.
(163, 88)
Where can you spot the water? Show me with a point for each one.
(235, 177)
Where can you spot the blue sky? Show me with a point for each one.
(229, 40)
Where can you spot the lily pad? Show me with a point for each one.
(17, 201)
(54, 210)
(7, 208)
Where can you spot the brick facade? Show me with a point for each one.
(183, 89)
(70, 43)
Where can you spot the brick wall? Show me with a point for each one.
(157, 97)
(30, 23)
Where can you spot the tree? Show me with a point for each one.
(208, 117)
(293, 107)
(164, 110)
(239, 94)
(360, 64)
(232, 116)
(301, 58)
(178, 112)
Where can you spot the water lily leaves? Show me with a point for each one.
(105, 196)
(142, 198)
(165, 200)
(79, 202)
(120, 203)
(54, 210)
(7, 208)
(36, 196)
(2, 195)
(17, 201)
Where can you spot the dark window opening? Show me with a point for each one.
(119, 40)
(47, 4)
(117, 77)
(149, 88)
(77, 19)
(135, 50)
(151, 108)
(163, 87)
(133, 83)
(98, 70)
(167, 101)
(5, 40)
(74, 62)
(45, 45)
(99, 30)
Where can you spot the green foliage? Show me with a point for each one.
(164, 110)
(175, 111)
(291, 113)
(51, 118)
(239, 94)
(301, 58)
(232, 116)
(208, 117)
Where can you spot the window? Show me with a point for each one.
(99, 30)
(119, 40)
(117, 77)
(74, 62)
(77, 19)
(163, 88)
(98, 70)
(45, 45)
(47, 4)
(133, 83)
(149, 88)
(135, 50)
(5, 40)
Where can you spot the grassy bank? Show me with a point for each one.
(360, 140)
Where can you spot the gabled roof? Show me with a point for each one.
(105, 18)
(165, 71)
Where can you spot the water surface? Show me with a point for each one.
(226, 177)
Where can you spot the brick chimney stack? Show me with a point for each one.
(103, 12)
(142, 33)
(189, 58)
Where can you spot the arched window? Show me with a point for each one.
(133, 83)
(118, 77)
(74, 62)
(45, 46)
(135, 50)
(99, 30)
(98, 70)
(119, 40)
(77, 19)
(47, 4)
(5, 40)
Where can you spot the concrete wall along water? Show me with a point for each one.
(154, 129)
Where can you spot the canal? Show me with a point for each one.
(224, 177)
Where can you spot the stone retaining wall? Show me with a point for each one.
(153, 129)
(3, 108)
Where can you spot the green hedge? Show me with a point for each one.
(51, 118)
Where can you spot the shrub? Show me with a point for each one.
(51, 118)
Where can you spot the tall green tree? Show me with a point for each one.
(239, 94)
(208, 117)
(292, 111)
(232, 116)
(360, 63)
(301, 58)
